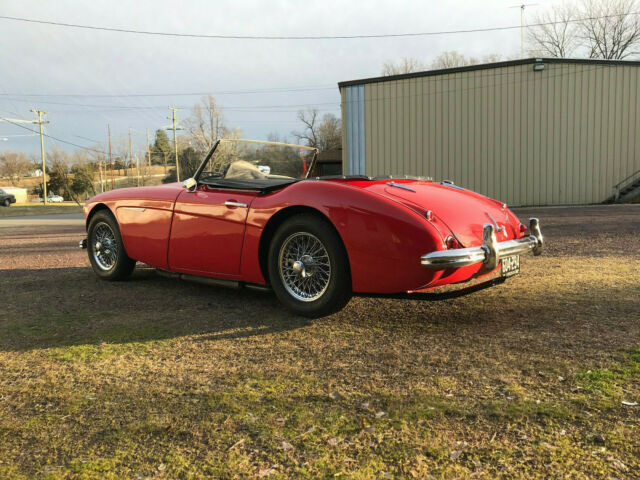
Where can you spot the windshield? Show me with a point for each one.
(257, 161)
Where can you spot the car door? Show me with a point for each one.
(207, 231)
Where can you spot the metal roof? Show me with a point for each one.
(488, 66)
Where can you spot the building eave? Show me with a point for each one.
(489, 66)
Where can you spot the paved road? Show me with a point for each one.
(34, 220)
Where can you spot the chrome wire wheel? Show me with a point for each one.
(104, 246)
(305, 269)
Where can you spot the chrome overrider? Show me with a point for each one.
(490, 253)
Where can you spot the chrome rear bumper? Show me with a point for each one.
(490, 253)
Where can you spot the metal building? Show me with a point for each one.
(527, 132)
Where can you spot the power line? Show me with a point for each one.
(128, 107)
(194, 94)
(54, 138)
(87, 138)
(301, 37)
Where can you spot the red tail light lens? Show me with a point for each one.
(523, 228)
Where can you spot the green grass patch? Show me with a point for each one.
(81, 337)
(92, 353)
(608, 382)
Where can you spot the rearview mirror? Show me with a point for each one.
(190, 184)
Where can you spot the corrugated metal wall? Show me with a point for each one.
(564, 135)
(354, 109)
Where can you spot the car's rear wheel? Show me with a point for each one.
(106, 250)
(308, 267)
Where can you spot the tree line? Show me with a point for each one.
(69, 174)
(75, 175)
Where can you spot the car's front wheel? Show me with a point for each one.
(308, 267)
(106, 250)
(6, 202)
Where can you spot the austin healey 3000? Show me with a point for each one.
(252, 216)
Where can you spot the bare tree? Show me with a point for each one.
(610, 28)
(491, 58)
(323, 134)
(555, 33)
(205, 125)
(453, 58)
(120, 148)
(14, 165)
(405, 65)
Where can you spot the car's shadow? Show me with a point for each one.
(69, 306)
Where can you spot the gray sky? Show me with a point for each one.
(44, 59)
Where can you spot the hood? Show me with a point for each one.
(456, 211)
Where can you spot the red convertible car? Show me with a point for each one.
(251, 216)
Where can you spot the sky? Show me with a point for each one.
(79, 76)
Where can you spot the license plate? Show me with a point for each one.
(510, 266)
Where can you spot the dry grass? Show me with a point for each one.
(162, 379)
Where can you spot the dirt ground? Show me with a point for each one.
(157, 378)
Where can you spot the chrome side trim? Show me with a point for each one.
(449, 183)
(490, 252)
(136, 209)
(230, 203)
(400, 185)
(215, 282)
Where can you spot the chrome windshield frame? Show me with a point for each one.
(264, 142)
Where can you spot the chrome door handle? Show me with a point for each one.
(229, 203)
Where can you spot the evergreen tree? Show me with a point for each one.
(83, 177)
(161, 148)
(118, 165)
(189, 160)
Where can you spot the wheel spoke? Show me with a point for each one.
(104, 246)
(305, 268)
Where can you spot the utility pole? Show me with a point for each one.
(522, 7)
(148, 152)
(175, 139)
(101, 180)
(522, 31)
(110, 157)
(130, 151)
(44, 167)
(138, 168)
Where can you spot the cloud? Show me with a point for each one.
(51, 59)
